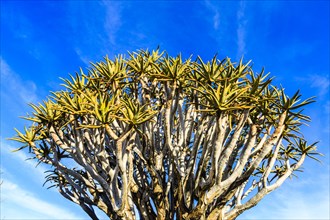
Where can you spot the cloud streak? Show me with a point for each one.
(216, 14)
(15, 196)
(293, 202)
(22, 158)
(12, 85)
(112, 20)
(241, 31)
(320, 82)
(100, 32)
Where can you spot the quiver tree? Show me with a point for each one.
(156, 137)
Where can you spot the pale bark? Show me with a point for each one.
(211, 148)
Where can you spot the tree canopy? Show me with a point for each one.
(157, 137)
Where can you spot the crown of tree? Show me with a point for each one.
(157, 137)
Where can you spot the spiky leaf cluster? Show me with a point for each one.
(158, 137)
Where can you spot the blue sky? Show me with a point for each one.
(44, 40)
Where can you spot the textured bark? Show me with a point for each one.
(155, 137)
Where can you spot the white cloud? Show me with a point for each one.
(216, 20)
(100, 32)
(320, 82)
(303, 200)
(23, 159)
(12, 85)
(216, 14)
(82, 57)
(16, 198)
(112, 20)
(241, 31)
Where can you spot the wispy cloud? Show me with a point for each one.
(21, 158)
(31, 206)
(241, 30)
(85, 58)
(16, 196)
(293, 202)
(13, 86)
(91, 41)
(319, 86)
(100, 32)
(300, 206)
(317, 81)
(216, 14)
(112, 20)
